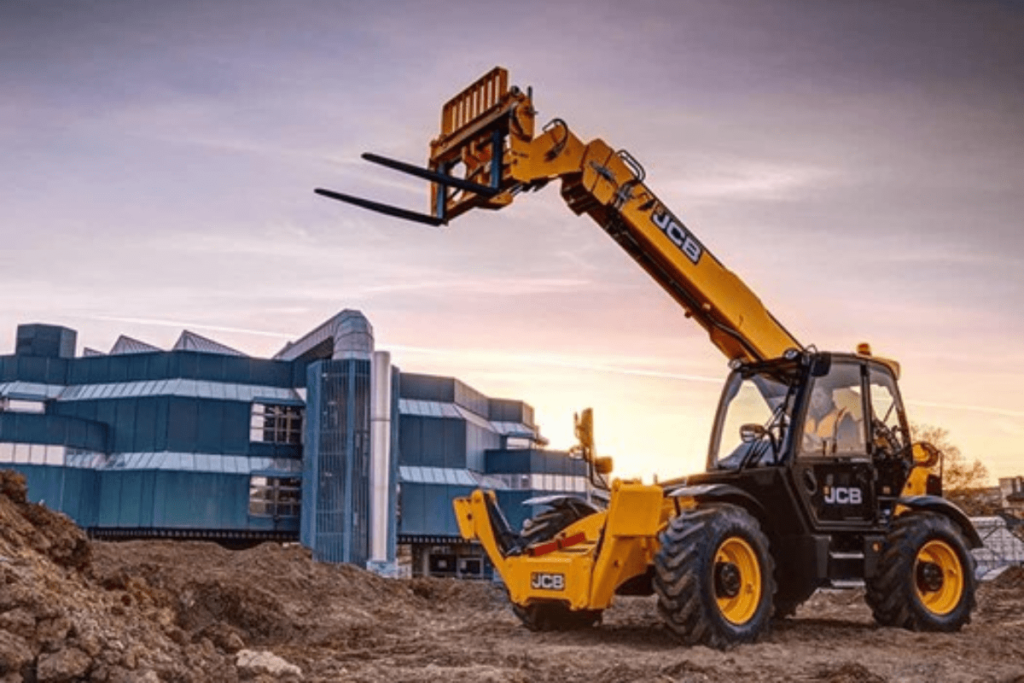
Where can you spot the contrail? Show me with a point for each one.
(189, 325)
(974, 409)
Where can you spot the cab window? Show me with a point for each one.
(886, 413)
(834, 419)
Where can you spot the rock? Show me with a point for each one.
(19, 621)
(252, 663)
(12, 485)
(224, 636)
(70, 664)
(15, 653)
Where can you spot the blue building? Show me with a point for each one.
(325, 443)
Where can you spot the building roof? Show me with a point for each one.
(126, 344)
(190, 341)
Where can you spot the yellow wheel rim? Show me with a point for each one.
(737, 580)
(938, 577)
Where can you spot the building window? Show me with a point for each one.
(31, 454)
(15, 405)
(274, 496)
(276, 423)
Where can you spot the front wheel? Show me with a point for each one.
(713, 577)
(925, 577)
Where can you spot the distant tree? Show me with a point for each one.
(958, 474)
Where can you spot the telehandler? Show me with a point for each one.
(811, 478)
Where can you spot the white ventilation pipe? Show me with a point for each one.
(380, 451)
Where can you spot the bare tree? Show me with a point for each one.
(957, 472)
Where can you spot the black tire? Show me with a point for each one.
(552, 521)
(555, 616)
(925, 578)
(700, 597)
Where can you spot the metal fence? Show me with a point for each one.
(1003, 548)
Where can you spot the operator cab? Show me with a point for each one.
(835, 420)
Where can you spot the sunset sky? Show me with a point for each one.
(859, 164)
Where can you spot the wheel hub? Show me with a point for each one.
(929, 577)
(727, 580)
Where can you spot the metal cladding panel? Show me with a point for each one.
(144, 433)
(336, 475)
(67, 490)
(504, 410)
(51, 341)
(52, 429)
(428, 387)
(39, 369)
(413, 509)
(507, 461)
(511, 503)
(108, 510)
(455, 443)
(129, 507)
(124, 425)
(555, 462)
(471, 399)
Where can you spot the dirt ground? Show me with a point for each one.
(71, 609)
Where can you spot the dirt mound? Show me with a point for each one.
(187, 611)
(1011, 578)
(28, 527)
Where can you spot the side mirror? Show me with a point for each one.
(603, 465)
(751, 432)
(821, 364)
(925, 454)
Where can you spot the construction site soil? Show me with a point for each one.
(71, 609)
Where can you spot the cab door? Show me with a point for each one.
(833, 467)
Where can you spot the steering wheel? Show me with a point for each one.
(886, 439)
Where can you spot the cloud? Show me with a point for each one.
(749, 180)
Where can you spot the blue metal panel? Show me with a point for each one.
(432, 443)
(144, 431)
(210, 366)
(508, 461)
(161, 429)
(129, 508)
(124, 425)
(107, 512)
(413, 506)
(210, 433)
(188, 364)
(147, 487)
(428, 388)
(455, 442)
(410, 436)
(182, 425)
(118, 368)
(235, 428)
(162, 499)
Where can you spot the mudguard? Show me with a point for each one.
(944, 507)
(721, 493)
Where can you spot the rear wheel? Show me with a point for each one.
(555, 616)
(713, 577)
(925, 577)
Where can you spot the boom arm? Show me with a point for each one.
(488, 152)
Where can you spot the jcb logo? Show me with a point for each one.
(547, 582)
(668, 224)
(841, 495)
